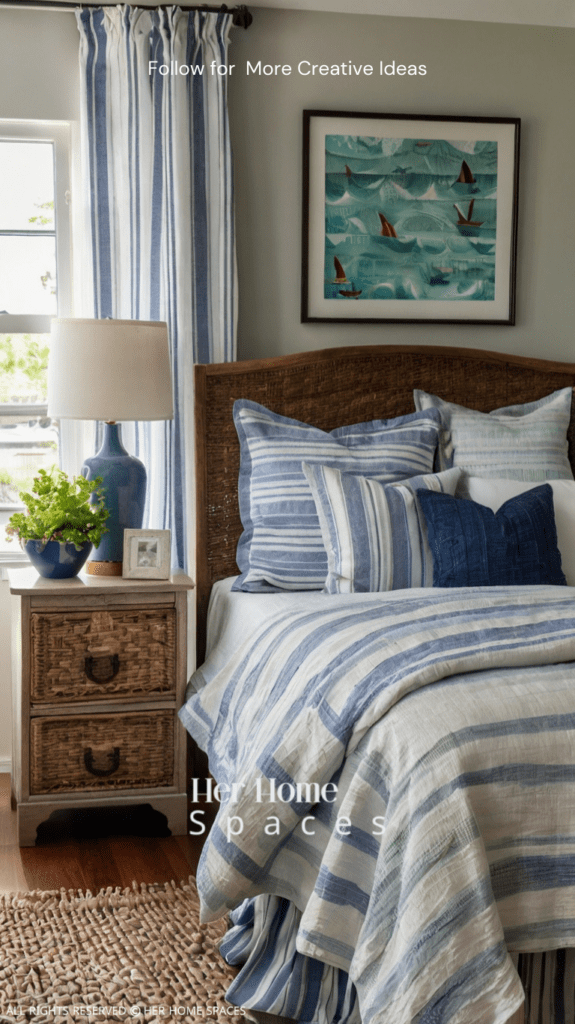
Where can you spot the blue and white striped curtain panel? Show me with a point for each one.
(158, 169)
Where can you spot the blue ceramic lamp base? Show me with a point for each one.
(124, 484)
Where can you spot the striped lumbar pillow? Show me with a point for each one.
(374, 534)
(281, 547)
(517, 442)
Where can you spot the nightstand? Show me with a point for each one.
(99, 669)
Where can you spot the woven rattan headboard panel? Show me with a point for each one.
(330, 388)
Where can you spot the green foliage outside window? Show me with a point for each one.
(23, 378)
(23, 367)
(41, 219)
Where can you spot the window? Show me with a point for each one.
(34, 286)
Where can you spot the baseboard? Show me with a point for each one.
(5, 765)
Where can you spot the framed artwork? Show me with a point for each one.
(146, 554)
(409, 219)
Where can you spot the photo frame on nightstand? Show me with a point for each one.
(146, 554)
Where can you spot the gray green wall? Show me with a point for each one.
(39, 73)
(472, 69)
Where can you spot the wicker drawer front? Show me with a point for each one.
(94, 655)
(102, 752)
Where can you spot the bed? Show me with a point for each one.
(351, 903)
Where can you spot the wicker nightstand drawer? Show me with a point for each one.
(95, 655)
(99, 673)
(101, 752)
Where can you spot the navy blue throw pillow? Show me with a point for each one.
(475, 547)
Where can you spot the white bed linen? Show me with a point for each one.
(233, 616)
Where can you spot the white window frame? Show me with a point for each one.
(59, 133)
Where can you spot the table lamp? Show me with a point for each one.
(111, 370)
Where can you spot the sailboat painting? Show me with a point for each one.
(410, 219)
(414, 222)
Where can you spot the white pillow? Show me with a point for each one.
(493, 493)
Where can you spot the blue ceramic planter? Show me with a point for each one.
(57, 561)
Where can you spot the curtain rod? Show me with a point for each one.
(241, 15)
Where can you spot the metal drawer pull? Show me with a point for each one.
(114, 758)
(90, 662)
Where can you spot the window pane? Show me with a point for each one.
(27, 186)
(28, 275)
(25, 447)
(23, 368)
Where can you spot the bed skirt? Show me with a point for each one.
(275, 978)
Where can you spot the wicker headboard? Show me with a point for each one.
(330, 388)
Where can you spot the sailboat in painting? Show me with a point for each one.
(465, 174)
(340, 277)
(387, 229)
(466, 223)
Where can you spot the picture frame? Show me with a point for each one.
(146, 554)
(409, 218)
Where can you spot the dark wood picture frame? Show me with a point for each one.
(395, 219)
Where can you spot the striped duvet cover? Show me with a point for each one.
(437, 728)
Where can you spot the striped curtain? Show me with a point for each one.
(157, 170)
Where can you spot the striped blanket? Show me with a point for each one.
(403, 775)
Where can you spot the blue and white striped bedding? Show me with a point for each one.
(446, 720)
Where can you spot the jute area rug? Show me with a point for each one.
(122, 954)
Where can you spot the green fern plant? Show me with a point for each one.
(59, 509)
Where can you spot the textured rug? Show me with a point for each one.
(121, 954)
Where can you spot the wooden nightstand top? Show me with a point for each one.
(27, 581)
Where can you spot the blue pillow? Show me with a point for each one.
(281, 547)
(475, 547)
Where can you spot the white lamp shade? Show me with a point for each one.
(110, 370)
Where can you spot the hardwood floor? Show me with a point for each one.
(79, 855)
